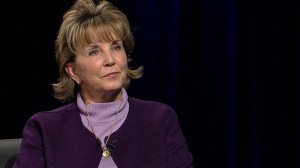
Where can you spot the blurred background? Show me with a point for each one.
(229, 68)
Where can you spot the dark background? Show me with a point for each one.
(229, 68)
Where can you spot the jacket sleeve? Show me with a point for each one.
(179, 155)
(31, 150)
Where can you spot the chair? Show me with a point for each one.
(9, 149)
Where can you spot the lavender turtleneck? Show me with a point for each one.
(102, 116)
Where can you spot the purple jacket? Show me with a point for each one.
(150, 137)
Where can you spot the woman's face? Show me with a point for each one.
(100, 67)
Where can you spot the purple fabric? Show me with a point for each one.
(102, 117)
(150, 137)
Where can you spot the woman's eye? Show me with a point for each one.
(116, 47)
(93, 52)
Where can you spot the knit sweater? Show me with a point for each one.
(150, 137)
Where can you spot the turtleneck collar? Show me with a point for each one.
(103, 112)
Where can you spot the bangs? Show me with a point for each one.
(94, 31)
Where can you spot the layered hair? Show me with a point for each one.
(80, 23)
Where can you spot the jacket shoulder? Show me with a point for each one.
(151, 109)
(149, 104)
(55, 115)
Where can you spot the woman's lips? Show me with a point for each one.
(111, 75)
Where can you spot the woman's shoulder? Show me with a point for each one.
(147, 103)
(66, 109)
(150, 108)
(149, 112)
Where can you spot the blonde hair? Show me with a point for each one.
(80, 22)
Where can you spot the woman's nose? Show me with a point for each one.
(109, 59)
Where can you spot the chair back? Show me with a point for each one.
(9, 149)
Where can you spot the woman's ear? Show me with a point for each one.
(70, 69)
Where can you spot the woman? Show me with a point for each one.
(101, 126)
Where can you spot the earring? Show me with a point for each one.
(79, 82)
